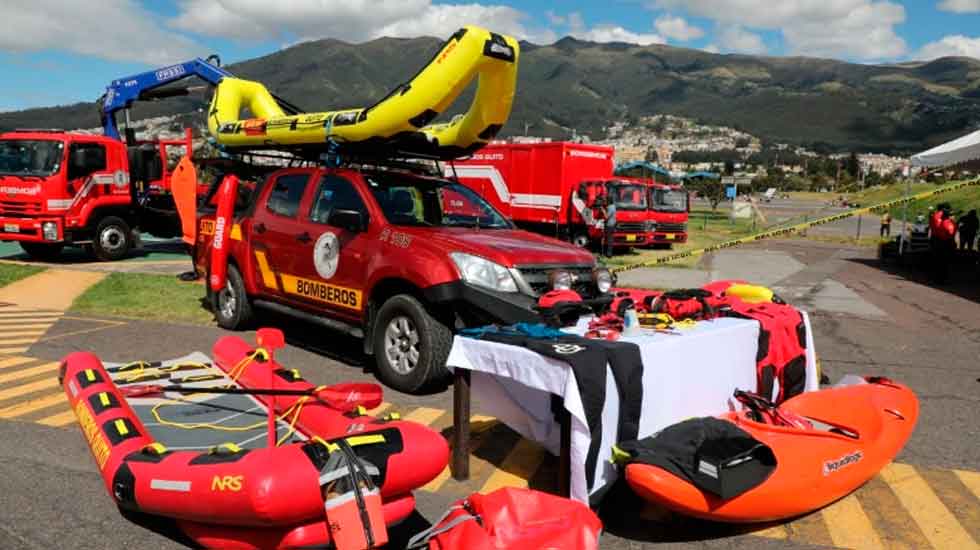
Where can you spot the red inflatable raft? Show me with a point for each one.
(857, 431)
(163, 454)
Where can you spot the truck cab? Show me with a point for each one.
(631, 199)
(669, 208)
(60, 188)
(397, 257)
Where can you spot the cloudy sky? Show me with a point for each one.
(62, 51)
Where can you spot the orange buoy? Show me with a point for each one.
(857, 431)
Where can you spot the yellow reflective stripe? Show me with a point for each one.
(90, 375)
(361, 411)
(268, 277)
(156, 448)
(121, 427)
(369, 439)
(236, 232)
(104, 398)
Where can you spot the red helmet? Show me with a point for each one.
(554, 297)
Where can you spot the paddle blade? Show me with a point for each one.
(348, 396)
(141, 391)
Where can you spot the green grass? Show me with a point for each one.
(705, 228)
(142, 296)
(14, 272)
(961, 200)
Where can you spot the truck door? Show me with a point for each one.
(278, 233)
(331, 265)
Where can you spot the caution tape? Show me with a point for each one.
(796, 228)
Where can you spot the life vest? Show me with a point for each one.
(945, 230)
(688, 303)
(781, 355)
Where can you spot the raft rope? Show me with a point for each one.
(236, 372)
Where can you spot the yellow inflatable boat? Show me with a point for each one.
(399, 124)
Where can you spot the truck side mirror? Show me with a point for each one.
(354, 221)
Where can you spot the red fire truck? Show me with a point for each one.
(558, 189)
(668, 203)
(61, 188)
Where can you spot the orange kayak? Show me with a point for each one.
(857, 431)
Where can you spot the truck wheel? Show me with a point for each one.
(581, 240)
(231, 305)
(410, 345)
(42, 251)
(113, 239)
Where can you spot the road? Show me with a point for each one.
(866, 320)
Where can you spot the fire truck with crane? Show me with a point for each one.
(61, 188)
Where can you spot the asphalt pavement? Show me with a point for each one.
(867, 318)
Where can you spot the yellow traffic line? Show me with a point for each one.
(11, 341)
(424, 415)
(24, 389)
(36, 332)
(849, 526)
(971, 480)
(441, 479)
(384, 406)
(28, 407)
(6, 324)
(59, 420)
(517, 468)
(14, 350)
(938, 525)
(14, 361)
(14, 315)
(778, 532)
(27, 373)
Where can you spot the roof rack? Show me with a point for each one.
(40, 130)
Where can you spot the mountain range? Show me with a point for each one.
(583, 87)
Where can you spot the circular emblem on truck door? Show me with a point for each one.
(326, 255)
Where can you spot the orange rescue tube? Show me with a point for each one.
(227, 194)
(183, 185)
(815, 467)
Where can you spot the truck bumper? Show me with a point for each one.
(480, 306)
(658, 237)
(629, 239)
(29, 229)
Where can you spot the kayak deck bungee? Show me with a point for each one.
(857, 430)
(203, 459)
(401, 123)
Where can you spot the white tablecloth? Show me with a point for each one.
(687, 375)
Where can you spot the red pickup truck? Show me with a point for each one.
(389, 254)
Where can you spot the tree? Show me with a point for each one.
(729, 167)
(652, 155)
(853, 166)
(710, 189)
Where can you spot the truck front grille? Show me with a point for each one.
(672, 227)
(536, 276)
(20, 208)
(631, 227)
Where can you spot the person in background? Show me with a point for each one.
(886, 224)
(610, 225)
(943, 233)
(969, 224)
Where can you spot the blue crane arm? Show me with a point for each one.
(123, 92)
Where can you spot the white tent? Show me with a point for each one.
(958, 151)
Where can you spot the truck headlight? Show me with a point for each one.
(604, 280)
(49, 230)
(561, 280)
(482, 272)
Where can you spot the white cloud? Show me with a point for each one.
(353, 20)
(677, 28)
(605, 33)
(734, 38)
(128, 34)
(953, 45)
(861, 29)
(960, 6)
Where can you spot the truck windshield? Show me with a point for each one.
(432, 203)
(668, 200)
(631, 197)
(22, 157)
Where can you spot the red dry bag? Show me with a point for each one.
(516, 519)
